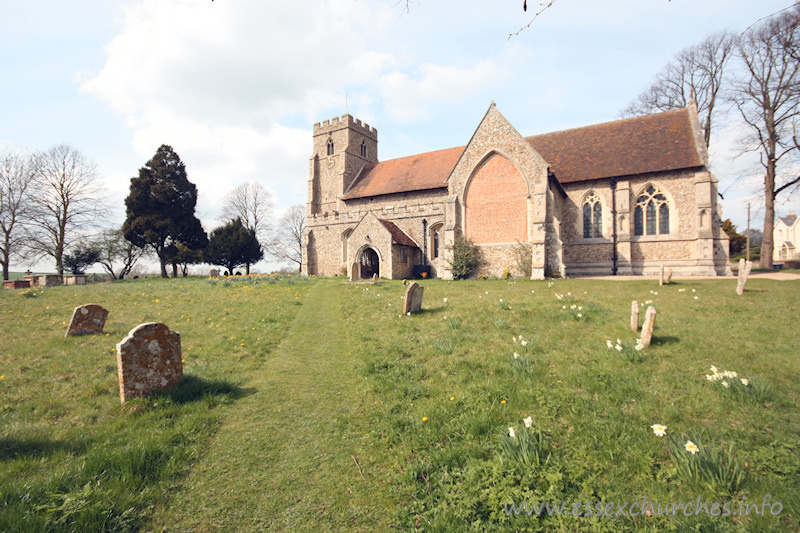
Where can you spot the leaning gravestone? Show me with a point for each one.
(647, 327)
(744, 271)
(634, 316)
(413, 302)
(86, 320)
(149, 358)
(668, 279)
(355, 271)
(375, 277)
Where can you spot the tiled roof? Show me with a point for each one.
(413, 173)
(650, 143)
(789, 220)
(398, 235)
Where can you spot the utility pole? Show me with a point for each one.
(748, 232)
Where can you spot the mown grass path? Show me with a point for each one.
(283, 457)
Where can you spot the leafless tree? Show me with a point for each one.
(67, 203)
(767, 95)
(116, 250)
(253, 205)
(17, 173)
(699, 72)
(287, 245)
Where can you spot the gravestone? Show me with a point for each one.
(661, 277)
(213, 273)
(744, 271)
(86, 320)
(635, 316)
(668, 279)
(355, 271)
(149, 358)
(413, 301)
(375, 277)
(648, 325)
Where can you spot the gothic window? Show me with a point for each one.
(363, 149)
(330, 146)
(592, 217)
(651, 214)
(436, 238)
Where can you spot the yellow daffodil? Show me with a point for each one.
(691, 447)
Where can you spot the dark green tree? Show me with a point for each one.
(179, 255)
(80, 258)
(233, 245)
(160, 207)
(738, 242)
(466, 258)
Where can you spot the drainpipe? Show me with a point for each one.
(614, 226)
(424, 242)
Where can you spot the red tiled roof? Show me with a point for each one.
(413, 173)
(398, 235)
(650, 143)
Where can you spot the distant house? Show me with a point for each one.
(785, 236)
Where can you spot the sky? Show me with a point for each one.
(234, 86)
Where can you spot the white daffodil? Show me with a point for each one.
(691, 447)
(511, 433)
(528, 421)
(659, 430)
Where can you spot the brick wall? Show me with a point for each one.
(496, 203)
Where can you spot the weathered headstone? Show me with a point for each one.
(213, 273)
(744, 271)
(413, 301)
(648, 325)
(86, 320)
(149, 358)
(355, 271)
(375, 277)
(635, 316)
(668, 279)
(661, 277)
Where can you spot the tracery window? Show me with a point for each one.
(435, 240)
(592, 217)
(651, 214)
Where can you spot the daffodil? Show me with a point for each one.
(691, 447)
(516, 355)
(511, 433)
(609, 344)
(528, 421)
(659, 430)
(726, 384)
(745, 381)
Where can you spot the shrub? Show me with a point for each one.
(466, 258)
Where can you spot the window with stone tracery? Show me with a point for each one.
(651, 214)
(592, 217)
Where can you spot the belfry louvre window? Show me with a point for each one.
(592, 217)
(651, 214)
(330, 146)
(363, 149)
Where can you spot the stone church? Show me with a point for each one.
(618, 198)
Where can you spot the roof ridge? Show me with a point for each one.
(618, 121)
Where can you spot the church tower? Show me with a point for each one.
(342, 148)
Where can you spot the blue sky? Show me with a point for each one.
(235, 85)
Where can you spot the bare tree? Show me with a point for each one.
(696, 72)
(767, 95)
(115, 249)
(16, 176)
(287, 245)
(68, 201)
(253, 205)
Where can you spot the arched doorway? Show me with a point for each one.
(370, 263)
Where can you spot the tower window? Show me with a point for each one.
(363, 149)
(330, 146)
(592, 217)
(651, 214)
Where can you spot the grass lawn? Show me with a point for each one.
(311, 404)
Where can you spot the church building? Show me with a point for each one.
(619, 198)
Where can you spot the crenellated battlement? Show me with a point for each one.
(345, 121)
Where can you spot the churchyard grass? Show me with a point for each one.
(340, 412)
